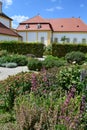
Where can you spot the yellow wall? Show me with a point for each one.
(37, 39)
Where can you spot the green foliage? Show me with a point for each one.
(15, 86)
(20, 60)
(34, 64)
(51, 61)
(44, 83)
(48, 113)
(76, 56)
(69, 76)
(60, 127)
(3, 53)
(23, 48)
(44, 100)
(40, 112)
(63, 39)
(61, 50)
(48, 50)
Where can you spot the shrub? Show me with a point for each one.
(15, 86)
(61, 50)
(34, 64)
(3, 53)
(76, 56)
(69, 76)
(51, 61)
(50, 113)
(23, 48)
(5, 59)
(21, 60)
(48, 50)
(36, 113)
(44, 82)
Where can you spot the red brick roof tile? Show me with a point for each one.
(7, 31)
(36, 19)
(34, 27)
(56, 25)
(68, 25)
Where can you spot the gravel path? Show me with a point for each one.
(6, 72)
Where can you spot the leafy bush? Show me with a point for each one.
(9, 65)
(51, 61)
(20, 60)
(15, 86)
(69, 76)
(48, 50)
(50, 113)
(61, 50)
(23, 48)
(34, 64)
(44, 82)
(3, 53)
(77, 56)
(40, 113)
(5, 59)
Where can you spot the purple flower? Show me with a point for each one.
(33, 82)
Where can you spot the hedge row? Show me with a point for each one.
(61, 50)
(23, 48)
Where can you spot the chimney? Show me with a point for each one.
(0, 7)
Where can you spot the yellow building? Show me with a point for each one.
(6, 31)
(38, 29)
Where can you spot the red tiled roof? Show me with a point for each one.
(7, 31)
(68, 25)
(56, 25)
(34, 27)
(36, 19)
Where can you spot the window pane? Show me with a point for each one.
(55, 40)
(68, 40)
(83, 40)
(42, 39)
(75, 40)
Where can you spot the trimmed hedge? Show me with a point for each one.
(75, 56)
(61, 50)
(23, 48)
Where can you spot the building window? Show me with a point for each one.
(68, 40)
(38, 26)
(55, 39)
(83, 40)
(42, 39)
(27, 26)
(75, 40)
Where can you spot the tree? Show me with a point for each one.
(63, 39)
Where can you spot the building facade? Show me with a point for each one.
(6, 31)
(38, 29)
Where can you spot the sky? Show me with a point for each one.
(20, 10)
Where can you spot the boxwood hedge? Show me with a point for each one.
(23, 48)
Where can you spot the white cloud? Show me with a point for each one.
(7, 2)
(59, 8)
(82, 5)
(17, 19)
(50, 9)
(54, 8)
